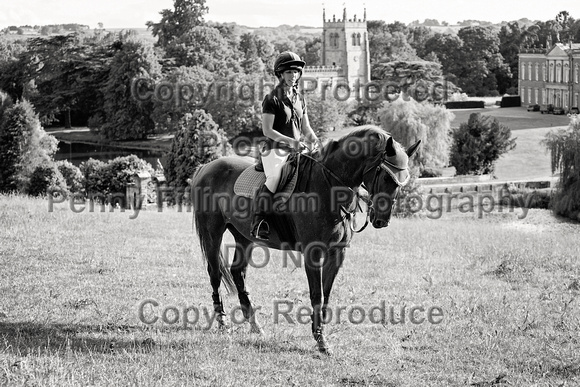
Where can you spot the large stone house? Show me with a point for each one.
(550, 76)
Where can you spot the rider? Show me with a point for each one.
(284, 118)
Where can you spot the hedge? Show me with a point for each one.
(465, 104)
(511, 101)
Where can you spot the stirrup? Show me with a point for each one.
(261, 233)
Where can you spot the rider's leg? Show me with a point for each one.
(273, 161)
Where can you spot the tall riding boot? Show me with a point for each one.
(262, 205)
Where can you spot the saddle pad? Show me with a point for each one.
(250, 180)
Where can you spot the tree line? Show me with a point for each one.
(85, 79)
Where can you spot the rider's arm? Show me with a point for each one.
(309, 134)
(270, 132)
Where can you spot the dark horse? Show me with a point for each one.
(367, 157)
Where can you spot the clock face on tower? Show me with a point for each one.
(355, 58)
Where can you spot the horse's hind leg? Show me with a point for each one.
(210, 235)
(238, 270)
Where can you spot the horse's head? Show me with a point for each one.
(384, 175)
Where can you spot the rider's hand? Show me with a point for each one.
(301, 146)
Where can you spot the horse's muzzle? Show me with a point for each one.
(380, 223)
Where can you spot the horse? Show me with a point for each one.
(366, 157)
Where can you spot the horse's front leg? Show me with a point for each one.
(312, 259)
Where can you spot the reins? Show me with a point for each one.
(349, 213)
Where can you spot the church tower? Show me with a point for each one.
(345, 45)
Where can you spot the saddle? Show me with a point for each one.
(253, 177)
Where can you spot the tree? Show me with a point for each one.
(409, 121)
(186, 15)
(564, 146)
(24, 145)
(416, 78)
(203, 46)
(447, 48)
(478, 144)
(480, 60)
(192, 88)
(199, 141)
(126, 117)
(325, 114)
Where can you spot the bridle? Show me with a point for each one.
(381, 163)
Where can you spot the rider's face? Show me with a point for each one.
(290, 77)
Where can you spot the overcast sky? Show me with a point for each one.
(256, 13)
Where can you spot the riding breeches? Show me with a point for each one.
(273, 160)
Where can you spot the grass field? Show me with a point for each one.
(71, 286)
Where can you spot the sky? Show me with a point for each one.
(272, 13)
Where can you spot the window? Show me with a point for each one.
(536, 99)
(530, 71)
(576, 74)
(530, 95)
(566, 73)
(523, 74)
(333, 39)
(358, 39)
(354, 39)
(551, 72)
(544, 74)
(559, 72)
(537, 74)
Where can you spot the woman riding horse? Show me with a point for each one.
(284, 118)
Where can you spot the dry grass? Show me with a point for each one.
(71, 285)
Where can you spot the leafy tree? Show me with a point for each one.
(388, 42)
(564, 146)
(478, 144)
(313, 54)
(448, 49)
(480, 60)
(237, 107)
(24, 145)
(186, 15)
(409, 121)
(191, 89)
(416, 78)
(325, 114)
(125, 116)
(199, 141)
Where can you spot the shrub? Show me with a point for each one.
(564, 146)
(44, 178)
(409, 121)
(199, 141)
(111, 177)
(72, 175)
(478, 144)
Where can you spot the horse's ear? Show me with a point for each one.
(390, 148)
(413, 148)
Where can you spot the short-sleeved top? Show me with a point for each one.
(287, 115)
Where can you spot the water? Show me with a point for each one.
(76, 153)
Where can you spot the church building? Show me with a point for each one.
(345, 53)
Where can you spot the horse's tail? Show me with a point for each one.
(208, 241)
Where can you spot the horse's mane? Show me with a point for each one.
(360, 132)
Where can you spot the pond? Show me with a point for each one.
(76, 153)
